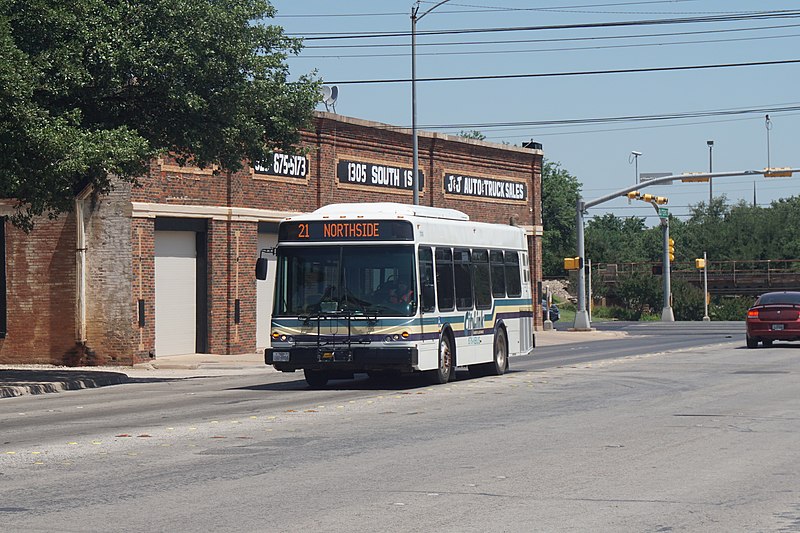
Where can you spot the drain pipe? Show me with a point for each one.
(80, 265)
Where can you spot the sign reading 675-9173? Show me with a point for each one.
(278, 164)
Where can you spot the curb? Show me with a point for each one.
(24, 382)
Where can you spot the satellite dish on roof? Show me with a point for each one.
(329, 95)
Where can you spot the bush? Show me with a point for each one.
(638, 293)
(687, 301)
(730, 308)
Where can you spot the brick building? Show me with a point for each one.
(167, 267)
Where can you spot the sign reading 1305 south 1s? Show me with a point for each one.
(485, 187)
(292, 166)
(377, 175)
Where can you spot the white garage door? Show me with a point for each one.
(176, 292)
(265, 290)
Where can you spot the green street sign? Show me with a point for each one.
(663, 212)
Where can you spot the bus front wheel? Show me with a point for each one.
(445, 370)
(316, 378)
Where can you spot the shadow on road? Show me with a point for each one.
(362, 382)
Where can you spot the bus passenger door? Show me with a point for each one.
(427, 295)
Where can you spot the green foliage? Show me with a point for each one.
(560, 192)
(605, 312)
(472, 134)
(93, 88)
(687, 301)
(730, 308)
(639, 293)
(615, 239)
(741, 232)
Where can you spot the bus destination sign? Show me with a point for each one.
(376, 175)
(485, 187)
(345, 230)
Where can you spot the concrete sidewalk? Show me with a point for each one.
(20, 380)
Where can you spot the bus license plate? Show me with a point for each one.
(777, 327)
(280, 357)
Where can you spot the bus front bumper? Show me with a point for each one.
(355, 358)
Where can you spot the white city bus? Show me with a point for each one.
(388, 288)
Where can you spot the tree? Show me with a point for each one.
(91, 89)
(472, 134)
(560, 192)
(639, 292)
(611, 239)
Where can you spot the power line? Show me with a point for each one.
(605, 130)
(622, 118)
(565, 74)
(543, 50)
(551, 40)
(765, 15)
(486, 9)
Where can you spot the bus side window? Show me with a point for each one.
(444, 279)
(498, 273)
(481, 279)
(513, 284)
(426, 279)
(463, 278)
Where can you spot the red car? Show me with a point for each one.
(774, 317)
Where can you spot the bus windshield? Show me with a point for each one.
(368, 280)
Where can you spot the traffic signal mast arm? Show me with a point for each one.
(769, 172)
(581, 315)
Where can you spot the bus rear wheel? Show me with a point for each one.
(499, 365)
(316, 378)
(445, 370)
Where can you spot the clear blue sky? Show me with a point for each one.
(597, 154)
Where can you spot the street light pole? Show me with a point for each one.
(582, 322)
(706, 318)
(710, 170)
(415, 143)
(666, 313)
(635, 155)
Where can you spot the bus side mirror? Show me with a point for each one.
(261, 268)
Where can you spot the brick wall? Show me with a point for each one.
(110, 274)
(40, 293)
(120, 244)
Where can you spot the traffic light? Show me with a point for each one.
(648, 197)
(661, 200)
(671, 250)
(572, 263)
(700, 263)
(633, 195)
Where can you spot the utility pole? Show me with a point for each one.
(666, 312)
(706, 318)
(710, 170)
(415, 142)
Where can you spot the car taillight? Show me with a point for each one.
(752, 313)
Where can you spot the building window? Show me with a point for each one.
(463, 278)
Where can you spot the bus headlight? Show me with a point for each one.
(281, 337)
(395, 337)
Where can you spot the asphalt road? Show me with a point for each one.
(670, 430)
